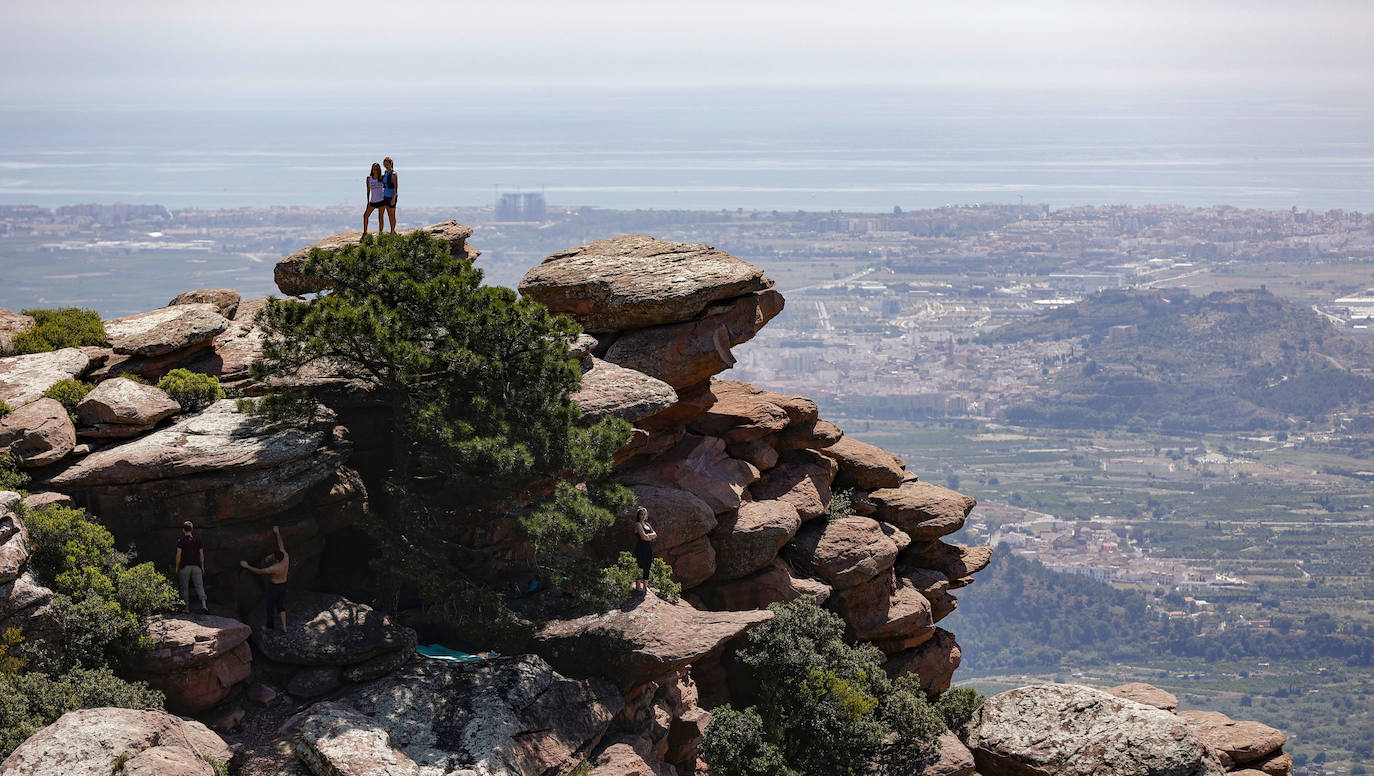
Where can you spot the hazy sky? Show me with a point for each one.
(334, 51)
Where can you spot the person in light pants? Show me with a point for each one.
(190, 565)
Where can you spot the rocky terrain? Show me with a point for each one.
(744, 485)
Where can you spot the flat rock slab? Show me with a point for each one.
(335, 739)
(329, 630)
(97, 742)
(165, 329)
(505, 717)
(123, 402)
(925, 511)
(180, 640)
(741, 413)
(647, 639)
(38, 433)
(1242, 741)
(291, 279)
(611, 390)
(634, 281)
(865, 466)
(225, 300)
(1070, 730)
(23, 379)
(220, 438)
(1147, 694)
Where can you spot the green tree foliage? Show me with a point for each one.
(12, 477)
(192, 390)
(99, 596)
(618, 579)
(4, 409)
(31, 701)
(841, 504)
(825, 706)
(956, 706)
(69, 393)
(479, 383)
(66, 327)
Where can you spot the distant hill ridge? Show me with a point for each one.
(1164, 358)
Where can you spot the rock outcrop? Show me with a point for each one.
(1069, 729)
(23, 379)
(120, 408)
(38, 434)
(100, 742)
(195, 659)
(330, 640)
(290, 272)
(11, 326)
(25, 604)
(503, 717)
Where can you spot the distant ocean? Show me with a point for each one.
(812, 151)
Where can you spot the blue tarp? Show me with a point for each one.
(437, 652)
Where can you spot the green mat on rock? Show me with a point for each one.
(447, 655)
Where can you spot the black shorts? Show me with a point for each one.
(378, 205)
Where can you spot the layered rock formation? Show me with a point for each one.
(100, 742)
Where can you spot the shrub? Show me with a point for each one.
(618, 579)
(4, 409)
(825, 706)
(66, 327)
(69, 393)
(192, 390)
(11, 476)
(99, 597)
(29, 702)
(957, 705)
(841, 505)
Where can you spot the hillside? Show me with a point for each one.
(1169, 360)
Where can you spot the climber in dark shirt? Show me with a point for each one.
(190, 565)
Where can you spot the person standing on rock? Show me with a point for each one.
(389, 189)
(644, 547)
(190, 565)
(276, 582)
(376, 198)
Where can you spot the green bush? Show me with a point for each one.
(956, 706)
(617, 581)
(841, 505)
(67, 327)
(11, 476)
(99, 597)
(4, 409)
(826, 708)
(30, 702)
(192, 390)
(69, 393)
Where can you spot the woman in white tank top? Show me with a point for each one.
(376, 199)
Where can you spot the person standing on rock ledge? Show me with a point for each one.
(644, 547)
(190, 565)
(389, 189)
(376, 199)
(276, 578)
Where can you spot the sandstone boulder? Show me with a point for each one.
(955, 561)
(231, 352)
(952, 758)
(801, 478)
(503, 717)
(14, 545)
(334, 739)
(865, 466)
(291, 279)
(1076, 731)
(934, 662)
(809, 435)
(776, 583)
(610, 390)
(123, 408)
(1147, 694)
(678, 516)
(23, 379)
(693, 562)
(328, 630)
(760, 453)
(699, 465)
(646, 640)
(621, 759)
(38, 433)
(633, 281)
(1279, 764)
(195, 659)
(741, 413)
(11, 326)
(923, 510)
(1243, 742)
(165, 329)
(225, 300)
(885, 608)
(100, 742)
(682, 354)
(747, 539)
(847, 551)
